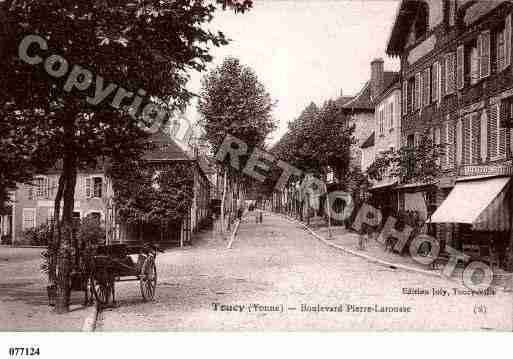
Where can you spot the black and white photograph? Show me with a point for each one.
(255, 166)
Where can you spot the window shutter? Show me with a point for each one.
(442, 78)
(502, 131)
(445, 144)
(492, 131)
(437, 139)
(476, 138)
(29, 192)
(507, 41)
(500, 50)
(467, 140)
(88, 187)
(450, 73)
(405, 97)
(460, 67)
(435, 83)
(417, 91)
(426, 83)
(451, 141)
(459, 141)
(391, 115)
(485, 54)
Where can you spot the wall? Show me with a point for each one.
(392, 134)
(44, 206)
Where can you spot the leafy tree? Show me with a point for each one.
(421, 163)
(234, 102)
(145, 193)
(142, 47)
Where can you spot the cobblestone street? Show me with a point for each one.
(278, 264)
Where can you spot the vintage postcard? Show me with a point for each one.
(255, 165)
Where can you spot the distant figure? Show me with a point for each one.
(363, 239)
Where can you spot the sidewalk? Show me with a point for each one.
(347, 240)
(23, 297)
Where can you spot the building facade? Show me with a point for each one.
(33, 203)
(457, 88)
(360, 109)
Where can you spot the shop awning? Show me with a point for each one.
(482, 203)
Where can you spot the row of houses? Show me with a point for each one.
(32, 204)
(455, 84)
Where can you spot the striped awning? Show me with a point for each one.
(483, 203)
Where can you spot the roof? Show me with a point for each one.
(362, 101)
(369, 142)
(342, 100)
(404, 17)
(394, 83)
(165, 149)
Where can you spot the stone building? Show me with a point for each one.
(457, 86)
(360, 109)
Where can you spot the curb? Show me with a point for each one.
(21, 246)
(377, 260)
(365, 256)
(234, 233)
(90, 321)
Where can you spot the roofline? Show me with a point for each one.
(396, 85)
(347, 104)
(396, 18)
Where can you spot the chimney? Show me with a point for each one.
(377, 77)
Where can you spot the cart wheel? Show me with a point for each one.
(148, 279)
(102, 291)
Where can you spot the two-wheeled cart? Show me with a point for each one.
(122, 263)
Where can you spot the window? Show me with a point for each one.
(29, 191)
(417, 88)
(410, 140)
(381, 121)
(452, 12)
(391, 115)
(29, 218)
(496, 134)
(411, 95)
(50, 214)
(426, 84)
(474, 66)
(94, 187)
(483, 46)
(435, 82)
(471, 138)
(42, 187)
(506, 120)
(450, 59)
(447, 137)
(405, 97)
(503, 44)
(460, 67)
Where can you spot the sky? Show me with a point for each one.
(304, 51)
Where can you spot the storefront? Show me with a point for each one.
(477, 213)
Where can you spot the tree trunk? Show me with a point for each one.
(64, 260)
(223, 198)
(53, 249)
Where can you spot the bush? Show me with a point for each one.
(90, 232)
(6, 239)
(37, 236)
